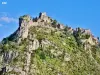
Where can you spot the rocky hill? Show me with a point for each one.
(42, 46)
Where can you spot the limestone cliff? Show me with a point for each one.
(42, 46)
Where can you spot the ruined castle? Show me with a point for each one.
(25, 22)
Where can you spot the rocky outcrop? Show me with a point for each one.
(6, 59)
(46, 47)
(25, 22)
(24, 26)
(33, 44)
(9, 56)
(85, 35)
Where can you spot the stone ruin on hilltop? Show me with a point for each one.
(25, 22)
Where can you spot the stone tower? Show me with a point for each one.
(42, 15)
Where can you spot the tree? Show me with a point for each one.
(87, 36)
(54, 22)
(79, 29)
(98, 38)
(66, 28)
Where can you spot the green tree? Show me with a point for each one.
(66, 28)
(87, 36)
(54, 22)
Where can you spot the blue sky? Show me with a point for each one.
(75, 13)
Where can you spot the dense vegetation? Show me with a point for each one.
(49, 51)
(50, 60)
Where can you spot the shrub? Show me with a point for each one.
(87, 36)
(54, 22)
(66, 28)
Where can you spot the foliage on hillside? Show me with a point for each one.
(50, 60)
(49, 51)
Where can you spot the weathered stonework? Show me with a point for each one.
(25, 22)
(60, 26)
(91, 40)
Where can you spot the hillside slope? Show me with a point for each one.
(42, 46)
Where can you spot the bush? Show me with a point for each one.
(87, 36)
(79, 30)
(66, 28)
(54, 22)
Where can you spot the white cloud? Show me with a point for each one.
(4, 17)
(3, 13)
(8, 19)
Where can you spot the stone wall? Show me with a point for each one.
(25, 22)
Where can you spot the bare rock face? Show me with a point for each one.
(8, 56)
(23, 26)
(67, 57)
(85, 36)
(34, 44)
